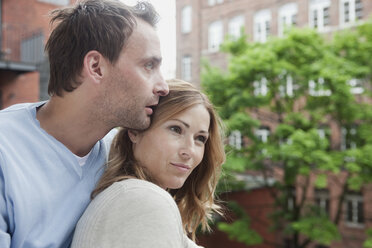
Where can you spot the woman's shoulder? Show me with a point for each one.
(140, 190)
(134, 195)
(133, 212)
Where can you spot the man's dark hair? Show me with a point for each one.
(101, 25)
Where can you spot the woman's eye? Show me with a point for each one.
(201, 138)
(176, 129)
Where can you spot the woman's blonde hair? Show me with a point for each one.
(196, 198)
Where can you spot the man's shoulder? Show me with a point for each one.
(16, 121)
(110, 136)
(16, 111)
(107, 140)
(12, 115)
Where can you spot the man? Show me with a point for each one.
(104, 72)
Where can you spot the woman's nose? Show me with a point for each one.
(187, 149)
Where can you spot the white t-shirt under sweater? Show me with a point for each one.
(132, 214)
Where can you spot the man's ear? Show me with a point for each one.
(94, 65)
(134, 136)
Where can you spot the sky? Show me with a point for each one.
(166, 29)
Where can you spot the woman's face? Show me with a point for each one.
(171, 150)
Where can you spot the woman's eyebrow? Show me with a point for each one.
(184, 123)
(188, 126)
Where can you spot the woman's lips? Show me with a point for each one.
(181, 166)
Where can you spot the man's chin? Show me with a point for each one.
(144, 124)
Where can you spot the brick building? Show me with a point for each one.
(24, 71)
(202, 27)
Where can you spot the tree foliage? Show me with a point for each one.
(322, 71)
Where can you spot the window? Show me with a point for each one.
(32, 48)
(235, 139)
(57, 2)
(356, 86)
(358, 9)
(287, 17)
(291, 198)
(323, 131)
(186, 19)
(318, 88)
(260, 87)
(288, 243)
(186, 68)
(348, 137)
(235, 26)
(213, 2)
(288, 88)
(354, 210)
(350, 11)
(263, 133)
(261, 26)
(319, 14)
(322, 200)
(215, 36)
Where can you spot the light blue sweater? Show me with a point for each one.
(43, 189)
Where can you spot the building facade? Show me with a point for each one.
(24, 71)
(202, 25)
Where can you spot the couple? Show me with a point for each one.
(105, 72)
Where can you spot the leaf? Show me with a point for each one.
(321, 181)
(319, 229)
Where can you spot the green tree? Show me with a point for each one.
(320, 70)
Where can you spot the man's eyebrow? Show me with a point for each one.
(155, 59)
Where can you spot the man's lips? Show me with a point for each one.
(150, 109)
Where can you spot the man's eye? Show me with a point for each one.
(149, 65)
(176, 129)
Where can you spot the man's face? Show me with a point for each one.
(135, 81)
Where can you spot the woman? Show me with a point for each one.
(159, 184)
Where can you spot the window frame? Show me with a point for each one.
(353, 16)
(56, 2)
(263, 133)
(186, 67)
(260, 87)
(262, 25)
(235, 26)
(348, 138)
(317, 89)
(357, 203)
(319, 6)
(236, 140)
(215, 36)
(285, 17)
(322, 200)
(186, 19)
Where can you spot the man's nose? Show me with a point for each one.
(161, 86)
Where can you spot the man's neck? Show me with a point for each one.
(72, 123)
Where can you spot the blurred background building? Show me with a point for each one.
(24, 69)
(202, 25)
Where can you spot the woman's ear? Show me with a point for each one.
(133, 136)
